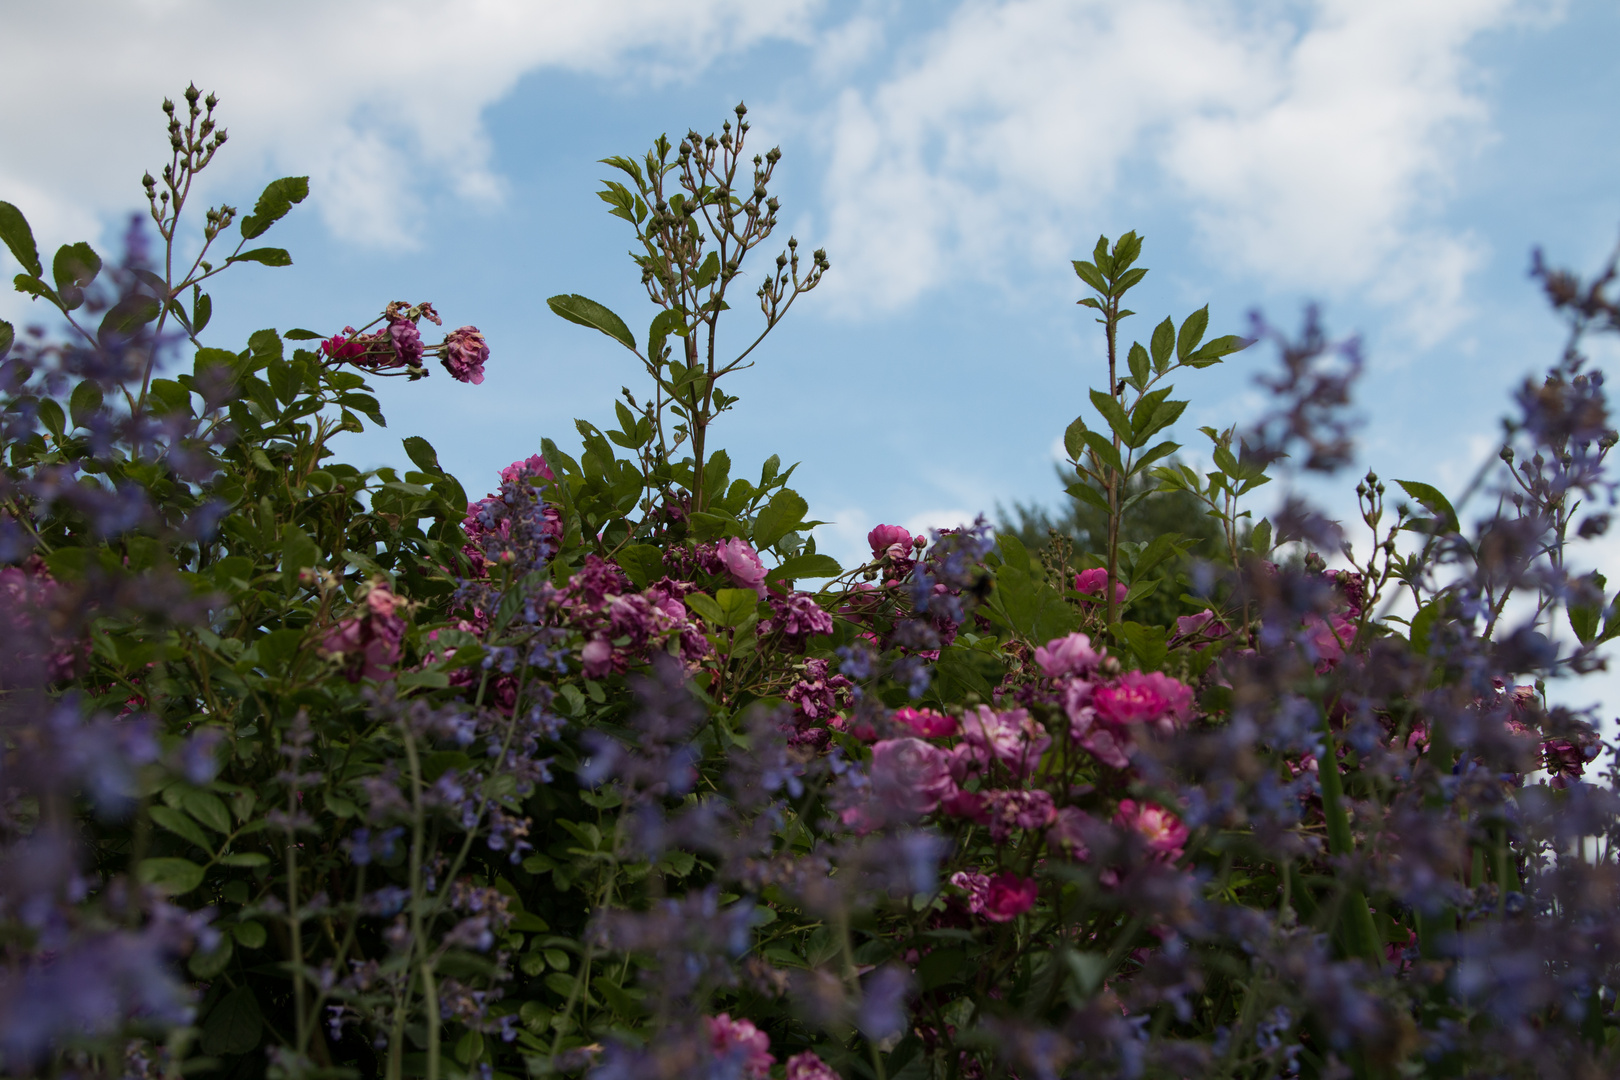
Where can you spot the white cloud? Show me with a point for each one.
(1306, 142)
(381, 102)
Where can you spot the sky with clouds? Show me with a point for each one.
(1393, 161)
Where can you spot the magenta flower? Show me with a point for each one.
(977, 887)
(926, 722)
(1204, 625)
(741, 562)
(966, 804)
(464, 355)
(1329, 638)
(1163, 831)
(368, 643)
(533, 465)
(1092, 583)
(1139, 698)
(741, 1041)
(1008, 896)
(809, 1066)
(798, 616)
(911, 776)
(1072, 655)
(891, 540)
(1012, 738)
(597, 656)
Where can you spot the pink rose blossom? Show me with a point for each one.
(1110, 747)
(891, 540)
(910, 775)
(1012, 737)
(597, 656)
(368, 644)
(1329, 638)
(464, 355)
(1008, 896)
(1163, 831)
(742, 564)
(926, 722)
(1204, 624)
(977, 887)
(966, 804)
(1143, 697)
(740, 1040)
(1093, 581)
(1072, 655)
(808, 1066)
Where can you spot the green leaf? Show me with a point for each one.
(1146, 424)
(75, 266)
(735, 605)
(19, 238)
(1192, 332)
(706, 606)
(1434, 502)
(175, 877)
(1423, 623)
(267, 256)
(420, 451)
(128, 315)
(708, 271)
(1074, 438)
(587, 312)
(1113, 412)
(778, 517)
(235, 1025)
(249, 935)
(1147, 642)
(1088, 495)
(1260, 539)
(806, 566)
(1163, 450)
(249, 859)
(1164, 343)
(181, 826)
(1584, 605)
(1099, 445)
(1211, 352)
(8, 334)
(83, 403)
(1089, 274)
(644, 563)
(1140, 365)
(1013, 552)
(708, 526)
(274, 202)
(207, 808)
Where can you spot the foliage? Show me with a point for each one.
(315, 771)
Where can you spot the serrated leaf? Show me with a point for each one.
(274, 202)
(1089, 495)
(1192, 332)
(267, 256)
(8, 334)
(181, 826)
(176, 877)
(777, 518)
(1099, 445)
(1113, 412)
(207, 808)
(420, 451)
(806, 566)
(1163, 344)
(75, 267)
(19, 238)
(1074, 438)
(1140, 365)
(587, 312)
(735, 605)
(706, 606)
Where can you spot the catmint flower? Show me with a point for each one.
(741, 1042)
(882, 1012)
(1072, 655)
(464, 354)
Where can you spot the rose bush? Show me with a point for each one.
(315, 771)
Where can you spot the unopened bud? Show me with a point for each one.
(1506, 454)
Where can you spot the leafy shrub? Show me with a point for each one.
(314, 771)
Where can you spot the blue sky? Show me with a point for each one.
(1394, 161)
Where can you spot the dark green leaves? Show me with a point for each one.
(75, 267)
(172, 876)
(422, 453)
(128, 315)
(806, 566)
(267, 256)
(587, 312)
(235, 1025)
(1444, 517)
(1164, 343)
(277, 199)
(19, 238)
(84, 402)
(779, 517)
(1192, 332)
(1074, 438)
(7, 336)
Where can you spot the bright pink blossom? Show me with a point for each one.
(464, 355)
(1143, 697)
(1008, 897)
(1163, 831)
(808, 1066)
(966, 804)
(742, 563)
(926, 722)
(741, 1041)
(910, 775)
(891, 540)
(1012, 738)
(1202, 625)
(1092, 583)
(1072, 655)
(597, 656)
(1329, 637)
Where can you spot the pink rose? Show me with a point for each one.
(1204, 625)
(368, 644)
(742, 564)
(977, 887)
(1008, 896)
(1329, 638)
(597, 656)
(966, 804)
(741, 1041)
(1143, 697)
(1012, 737)
(910, 775)
(1072, 655)
(1163, 831)
(808, 1066)
(926, 722)
(890, 540)
(1092, 583)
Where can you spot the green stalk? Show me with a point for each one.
(1356, 931)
